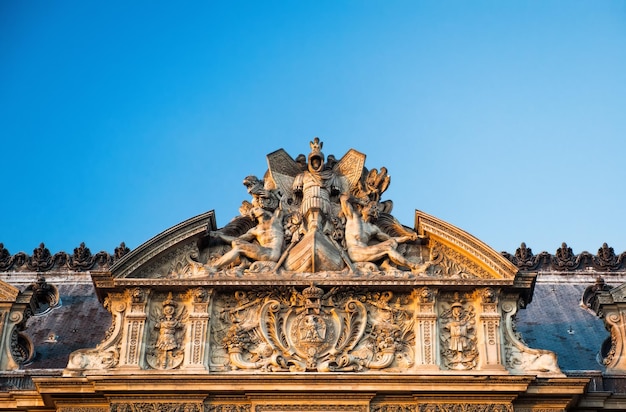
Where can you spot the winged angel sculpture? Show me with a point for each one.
(312, 214)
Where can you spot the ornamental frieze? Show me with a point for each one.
(465, 407)
(42, 260)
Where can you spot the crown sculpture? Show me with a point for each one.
(314, 275)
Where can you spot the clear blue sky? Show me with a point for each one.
(119, 119)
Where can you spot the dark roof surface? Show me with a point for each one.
(555, 321)
(79, 323)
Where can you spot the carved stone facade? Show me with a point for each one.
(234, 300)
(315, 298)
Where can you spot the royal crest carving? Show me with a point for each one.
(315, 330)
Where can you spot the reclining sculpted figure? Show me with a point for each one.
(268, 234)
(359, 232)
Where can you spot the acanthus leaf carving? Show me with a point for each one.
(448, 263)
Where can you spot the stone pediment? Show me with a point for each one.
(316, 219)
(314, 275)
(618, 293)
(167, 252)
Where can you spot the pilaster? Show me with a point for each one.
(489, 338)
(426, 335)
(133, 331)
(197, 345)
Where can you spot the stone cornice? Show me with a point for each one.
(308, 382)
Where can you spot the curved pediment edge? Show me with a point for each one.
(163, 241)
(8, 292)
(444, 232)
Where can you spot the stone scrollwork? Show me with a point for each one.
(227, 408)
(449, 263)
(106, 355)
(16, 308)
(465, 407)
(607, 302)
(151, 330)
(314, 330)
(519, 358)
(381, 295)
(393, 408)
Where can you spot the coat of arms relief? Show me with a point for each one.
(341, 329)
(315, 275)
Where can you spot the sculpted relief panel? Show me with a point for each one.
(319, 217)
(340, 329)
(313, 329)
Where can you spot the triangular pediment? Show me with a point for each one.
(317, 222)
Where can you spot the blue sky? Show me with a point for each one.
(120, 119)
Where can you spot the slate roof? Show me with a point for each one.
(554, 320)
(79, 323)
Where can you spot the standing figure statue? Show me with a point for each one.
(315, 186)
(460, 353)
(359, 232)
(458, 331)
(167, 352)
(262, 242)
